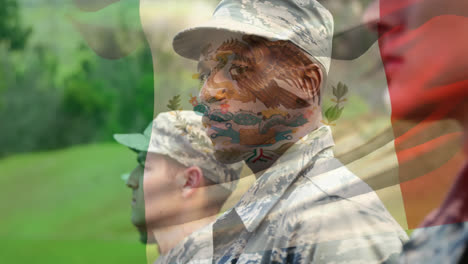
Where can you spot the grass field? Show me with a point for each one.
(68, 206)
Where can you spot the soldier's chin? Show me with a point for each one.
(419, 112)
(228, 156)
(144, 237)
(138, 222)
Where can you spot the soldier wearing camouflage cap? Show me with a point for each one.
(427, 80)
(184, 186)
(263, 65)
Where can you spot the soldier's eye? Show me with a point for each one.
(203, 77)
(141, 159)
(238, 69)
(222, 60)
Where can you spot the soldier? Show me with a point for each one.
(423, 44)
(178, 186)
(263, 65)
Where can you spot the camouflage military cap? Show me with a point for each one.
(180, 135)
(306, 23)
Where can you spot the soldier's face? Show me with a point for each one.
(163, 201)
(255, 92)
(422, 46)
(135, 182)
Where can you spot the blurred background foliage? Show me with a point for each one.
(69, 76)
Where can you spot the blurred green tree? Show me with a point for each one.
(12, 31)
(56, 90)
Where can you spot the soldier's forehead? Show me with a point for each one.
(212, 51)
(217, 44)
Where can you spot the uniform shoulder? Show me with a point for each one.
(333, 197)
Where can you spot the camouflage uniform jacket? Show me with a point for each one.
(437, 244)
(306, 208)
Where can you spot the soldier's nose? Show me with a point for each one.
(384, 15)
(371, 15)
(214, 95)
(132, 181)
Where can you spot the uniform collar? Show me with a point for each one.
(273, 183)
(197, 247)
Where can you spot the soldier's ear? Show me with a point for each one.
(314, 73)
(192, 180)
